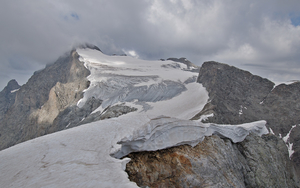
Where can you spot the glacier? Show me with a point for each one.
(116, 79)
(167, 97)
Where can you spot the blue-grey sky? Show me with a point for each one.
(261, 36)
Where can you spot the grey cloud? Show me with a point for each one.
(263, 33)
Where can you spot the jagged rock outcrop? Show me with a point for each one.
(74, 116)
(116, 111)
(190, 65)
(42, 98)
(7, 97)
(215, 162)
(237, 96)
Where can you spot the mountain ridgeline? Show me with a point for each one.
(48, 103)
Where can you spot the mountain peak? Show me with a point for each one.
(12, 85)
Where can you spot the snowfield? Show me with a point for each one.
(166, 95)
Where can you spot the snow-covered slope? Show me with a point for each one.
(166, 96)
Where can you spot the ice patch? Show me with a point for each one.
(205, 117)
(286, 138)
(241, 109)
(271, 131)
(287, 142)
(290, 149)
(15, 90)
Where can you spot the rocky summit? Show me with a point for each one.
(93, 120)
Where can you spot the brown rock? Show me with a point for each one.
(215, 162)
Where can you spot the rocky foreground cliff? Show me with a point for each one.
(48, 103)
(216, 162)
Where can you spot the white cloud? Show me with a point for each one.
(131, 53)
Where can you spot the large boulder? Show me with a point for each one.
(216, 162)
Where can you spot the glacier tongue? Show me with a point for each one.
(164, 132)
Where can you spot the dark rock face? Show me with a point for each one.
(74, 116)
(215, 162)
(230, 91)
(7, 97)
(237, 96)
(116, 111)
(295, 139)
(268, 161)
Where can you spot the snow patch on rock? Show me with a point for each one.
(287, 142)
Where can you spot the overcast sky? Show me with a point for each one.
(261, 36)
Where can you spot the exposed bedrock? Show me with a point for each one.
(215, 162)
